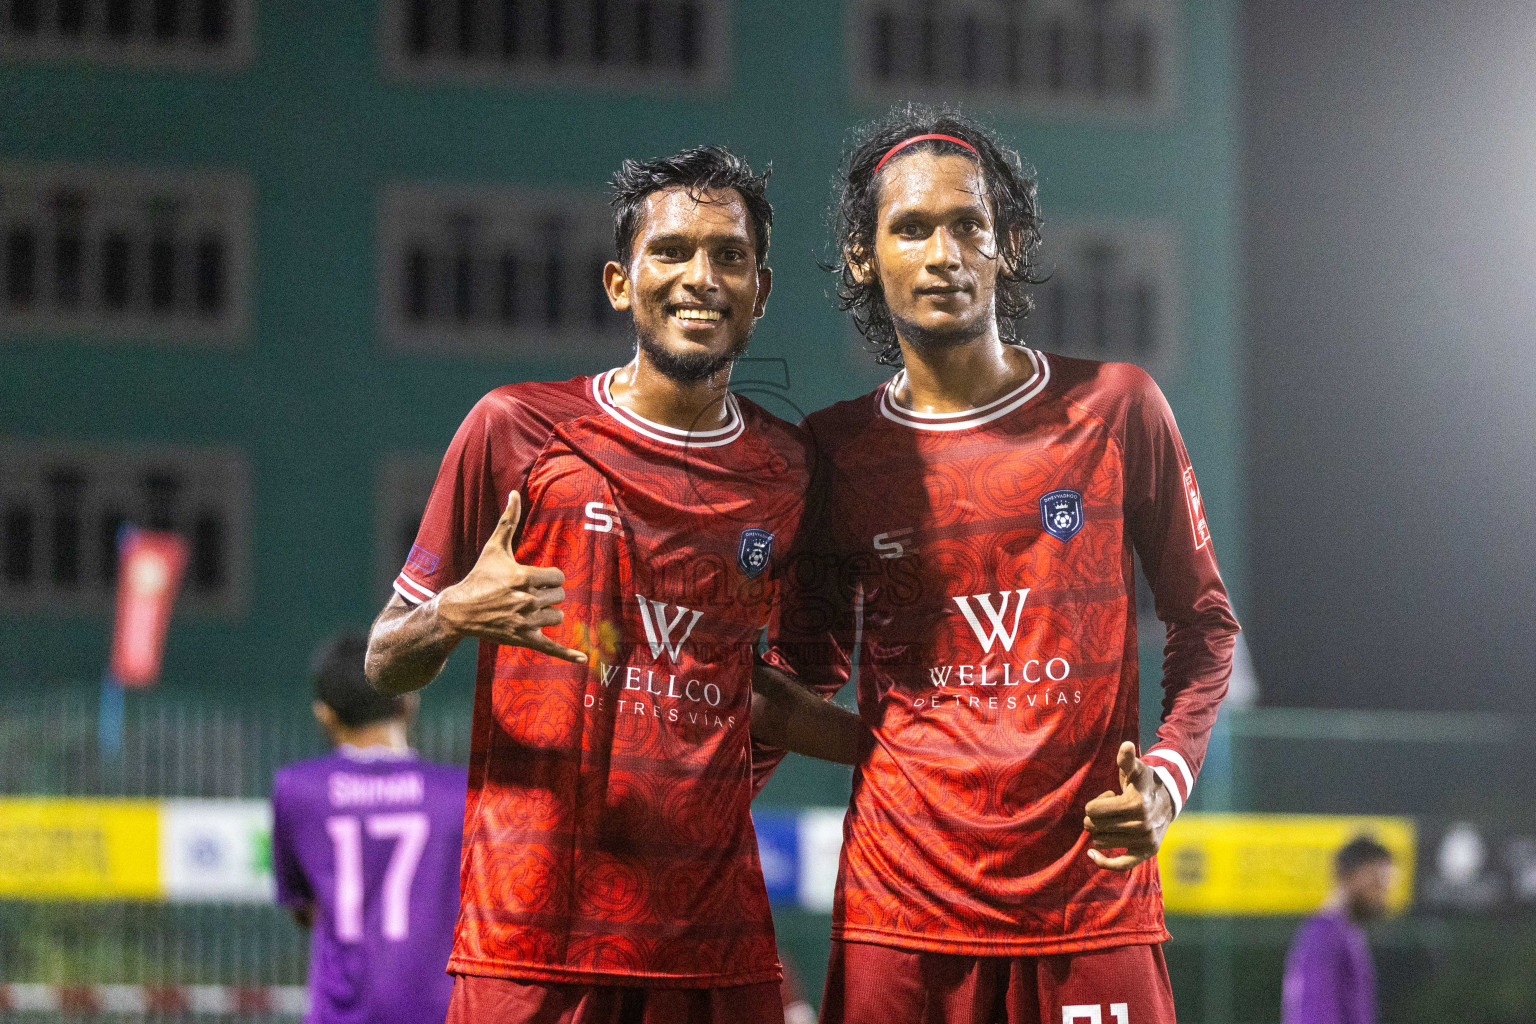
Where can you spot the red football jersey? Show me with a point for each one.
(981, 564)
(607, 836)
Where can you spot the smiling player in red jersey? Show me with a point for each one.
(971, 535)
(610, 870)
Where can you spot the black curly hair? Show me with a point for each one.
(699, 170)
(342, 686)
(1357, 853)
(1010, 186)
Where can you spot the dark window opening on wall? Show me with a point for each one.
(1089, 52)
(404, 484)
(479, 287)
(207, 568)
(1108, 296)
(651, 38)
(121, 253)
(71, 17)
(212, 291)
(19, 544)
(150, 28)
(498, 273)
(25, 15)
(61, 514)
(68, 249)
(20, 266)
(66, 486)
(110, 525)
(116, 261)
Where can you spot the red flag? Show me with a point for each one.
(149, 568)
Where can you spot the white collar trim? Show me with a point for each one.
(735, 425)
(352, 753)
(965, 419)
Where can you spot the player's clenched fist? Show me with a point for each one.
(1133, 820)
(504, 601)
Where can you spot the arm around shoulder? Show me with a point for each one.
(787, 714)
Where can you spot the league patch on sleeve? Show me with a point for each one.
(422, 559)
(754, 550)
(1061, 513)
(1196, 509)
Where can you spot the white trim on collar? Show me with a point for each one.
(735, 425)
(365, 754)
(965, 419)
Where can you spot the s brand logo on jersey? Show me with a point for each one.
(603, 518)
(658, 628)
(1001, 630)
(895, 543)
(754, 550)
(1061, 513)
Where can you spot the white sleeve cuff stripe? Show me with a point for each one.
(1176, 759)
(1173, 789)
(411, 591)
(420, 591)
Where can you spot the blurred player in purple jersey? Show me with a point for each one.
(1329, 976)
(365, 847)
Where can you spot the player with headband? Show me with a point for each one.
(971, 540)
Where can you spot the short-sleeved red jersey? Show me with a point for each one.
(607, 836)
(981, 563)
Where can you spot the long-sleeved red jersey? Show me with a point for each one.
(980, 563)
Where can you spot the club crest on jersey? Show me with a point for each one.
(754, 550)
(1061, 513)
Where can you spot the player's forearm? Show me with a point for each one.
(408, 646)
(1197, 662)
(786, 714)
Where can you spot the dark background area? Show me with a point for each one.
(1390, 232)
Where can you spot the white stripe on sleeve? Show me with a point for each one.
(1176, 759)
(412, 591)
(1173, 788)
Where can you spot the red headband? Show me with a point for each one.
(904, 143)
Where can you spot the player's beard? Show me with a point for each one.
(921, 338)
(691, 367)
(1364, 910)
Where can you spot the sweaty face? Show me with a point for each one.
(693, 284)
(935, 251)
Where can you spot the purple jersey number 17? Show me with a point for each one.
(409, 829)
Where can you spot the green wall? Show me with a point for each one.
(315, 400)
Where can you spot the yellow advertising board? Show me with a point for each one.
(53, 848)
(1271, 864)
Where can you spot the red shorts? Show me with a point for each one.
(868, 984)
(481, 1000)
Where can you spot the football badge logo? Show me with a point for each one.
(755, 549)
(1061, 513)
